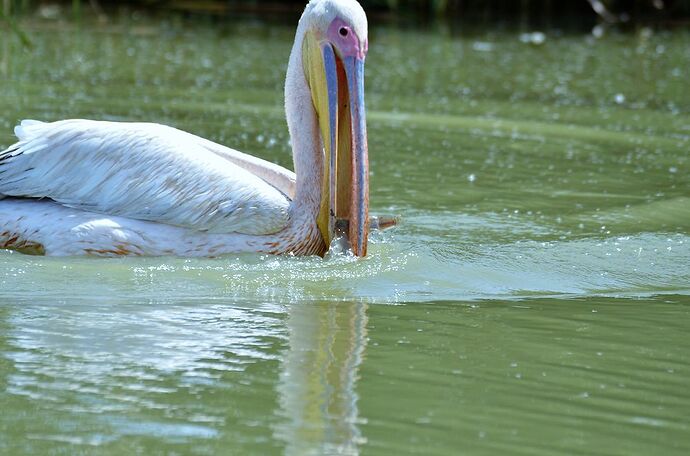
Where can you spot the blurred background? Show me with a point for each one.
(533, 13)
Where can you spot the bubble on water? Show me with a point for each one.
(482, 46)
(535, 38)
(538, 38)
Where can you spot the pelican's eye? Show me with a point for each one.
(344, 38)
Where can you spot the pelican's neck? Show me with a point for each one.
(305, 136)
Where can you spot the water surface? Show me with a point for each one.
(534, 299)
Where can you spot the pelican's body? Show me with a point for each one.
(80, 187)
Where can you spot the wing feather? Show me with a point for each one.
(142, 171)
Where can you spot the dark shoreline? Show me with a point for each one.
(503, 14)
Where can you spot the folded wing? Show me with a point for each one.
(142, 171)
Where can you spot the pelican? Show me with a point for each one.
(84, 187)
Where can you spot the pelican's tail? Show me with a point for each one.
(10, 152)
(4, 156)
(27, 128)
(25, 131)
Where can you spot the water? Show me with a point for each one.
(534, 299)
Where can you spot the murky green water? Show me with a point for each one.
(535, 299)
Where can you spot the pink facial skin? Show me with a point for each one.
(345, 39)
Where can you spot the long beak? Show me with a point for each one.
(359, 194)
(338, 96)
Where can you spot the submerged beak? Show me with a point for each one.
(337, 87)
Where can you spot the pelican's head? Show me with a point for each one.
(333, 52)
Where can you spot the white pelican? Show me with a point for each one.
(82, 187)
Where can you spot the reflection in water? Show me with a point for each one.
(317, 385)
(93, 374)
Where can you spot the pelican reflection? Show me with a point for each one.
(317, 386)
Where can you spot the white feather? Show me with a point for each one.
(62, 231)
(143, 171)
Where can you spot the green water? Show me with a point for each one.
(534, 300)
